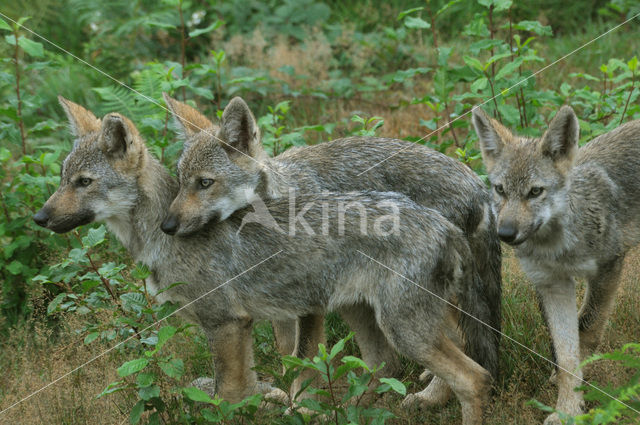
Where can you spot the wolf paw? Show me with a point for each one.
(437, 393)
(553, 419)
(424, 376)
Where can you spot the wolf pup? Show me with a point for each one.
(358, 163)
(110, 176)
(567, 211)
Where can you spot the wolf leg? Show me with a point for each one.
(231, 345)
(468, 380)
(598, 303)
(559, 304)
(285, 333)
(374, 346)
(310, 334)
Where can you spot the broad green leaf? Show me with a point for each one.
(473, 63)
(447, 6)
(413, 22)
(147, 393)
(633, 64)
(32, 48)
(111, 388)
(408, 12)
(53, 305)
(174, 368)
(145, 379)
(164, 334)
(509, 68)
(201, 31)
(136, 412)
(195, 394)
(479, 84)
(498, 5)
(4, 25)
(94, 237)
(355, 362)
(534, 27)
(395, 385)
(15, 267)
(91, 337)
(132, 367)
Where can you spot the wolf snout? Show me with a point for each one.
(170, 225)
(42, 217)
(507, 232)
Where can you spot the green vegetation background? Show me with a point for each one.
(311, 71)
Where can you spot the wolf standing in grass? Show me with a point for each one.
(261, 272)
(243, 171)
(568, 212)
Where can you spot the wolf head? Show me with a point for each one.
(528, 176)
(218, 173)
(98, 177)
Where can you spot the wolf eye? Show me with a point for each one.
(205, 183)
(535, 192)
(84, 181)
(499, 189)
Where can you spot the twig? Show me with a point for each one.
(633, 82)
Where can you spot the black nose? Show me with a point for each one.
(170, 225)
(507, 232)
(41, 217)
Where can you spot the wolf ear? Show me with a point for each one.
(188, 119)
(560, 141)
(82, 121)
(239, 130)
(491, 133)
(118, 137)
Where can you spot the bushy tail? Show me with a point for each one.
(482, 300)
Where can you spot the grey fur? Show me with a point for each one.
(313, 274)
(581, 224)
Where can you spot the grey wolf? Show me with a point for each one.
(568, 212)
(244, 172)
(109, 175)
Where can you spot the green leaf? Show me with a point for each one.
(633, 64)
(395, 385)
(140, 272)
(164, 334)
(479, 84)
(147, 393)
(498, 5)
(145, 379)
(534, 27)
(53, 305)
(473, 63)
(91, 337)
(94, 237)
(132, 366)
(354, 362)
(408, 12)
(15, 267)
(412, 22)
(173, 368)
(30, 47)
(4, 25)
(201, 31)
(447, 6)
(111, 388)
(509, 68)
(136, 412)
(195, 394)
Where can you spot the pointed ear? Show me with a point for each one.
(82, 121)
(239, 130)
(560, 141)
(492, 136)
(188, 119)
(119, 137)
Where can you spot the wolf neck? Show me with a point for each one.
(276, 179)
(139, 231)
